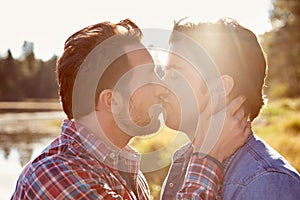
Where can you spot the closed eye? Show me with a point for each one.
(173, 71)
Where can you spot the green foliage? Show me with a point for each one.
(282, 47)
(279, 125)
(293, 126)
(27, 77)
(279, 90)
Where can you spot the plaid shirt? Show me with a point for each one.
(202, 179)
(77, 165)
(192, 176)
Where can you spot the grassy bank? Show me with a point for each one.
(279, 125)
(30, 106)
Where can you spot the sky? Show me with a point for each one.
(49, 23)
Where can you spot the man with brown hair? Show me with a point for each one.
(256, 171)
(91, 159)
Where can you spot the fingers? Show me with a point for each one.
(235, 105)
(245, 133)
(243, 136)
(247, 130)
(240, 115)
(207, 106)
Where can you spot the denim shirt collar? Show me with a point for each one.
(229, 160)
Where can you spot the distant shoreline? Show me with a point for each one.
(30, 106)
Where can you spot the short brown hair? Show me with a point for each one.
(236, 52)
(76, 49)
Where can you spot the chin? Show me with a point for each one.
(144, 128)
(173, 124)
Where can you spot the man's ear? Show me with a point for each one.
(105, 100)
(228, 84)
(220, 91)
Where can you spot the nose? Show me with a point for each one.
(164, 95)
(166, 78)
(159, 71)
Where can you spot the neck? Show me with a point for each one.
(104, 127)
(114, 134)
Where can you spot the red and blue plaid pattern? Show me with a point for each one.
(77, 165)
(202, 179)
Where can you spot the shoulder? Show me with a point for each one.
(272, 185)
(256, 158)
(257, 166)
(61, 176)
(59, 162)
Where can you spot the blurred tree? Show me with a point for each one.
(46, 77)
(10, 77)
(282, 45)
(30, 67)
(27, 77)
(28, 48)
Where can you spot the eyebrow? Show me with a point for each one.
(173, 66)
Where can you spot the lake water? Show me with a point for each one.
(22, 137)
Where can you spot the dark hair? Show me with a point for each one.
(236, 52)
(76, 49)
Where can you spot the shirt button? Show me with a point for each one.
(112, 155)
(171, 185)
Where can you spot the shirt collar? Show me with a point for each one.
(126, 159)
(183, 153)
(229, 160)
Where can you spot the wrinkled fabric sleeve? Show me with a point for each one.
(204, 174)
(56, 181)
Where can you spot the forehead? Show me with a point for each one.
(193, 57)
(194, 66)
(141, 65)
(179, 57)
(138, 55)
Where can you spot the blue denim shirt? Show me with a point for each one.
(256, 171)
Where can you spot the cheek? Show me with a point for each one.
(142, 99)
(171, 106)
(204, 97)
(148, 95)
(200, 92)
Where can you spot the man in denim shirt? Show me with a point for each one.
(256, 171)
